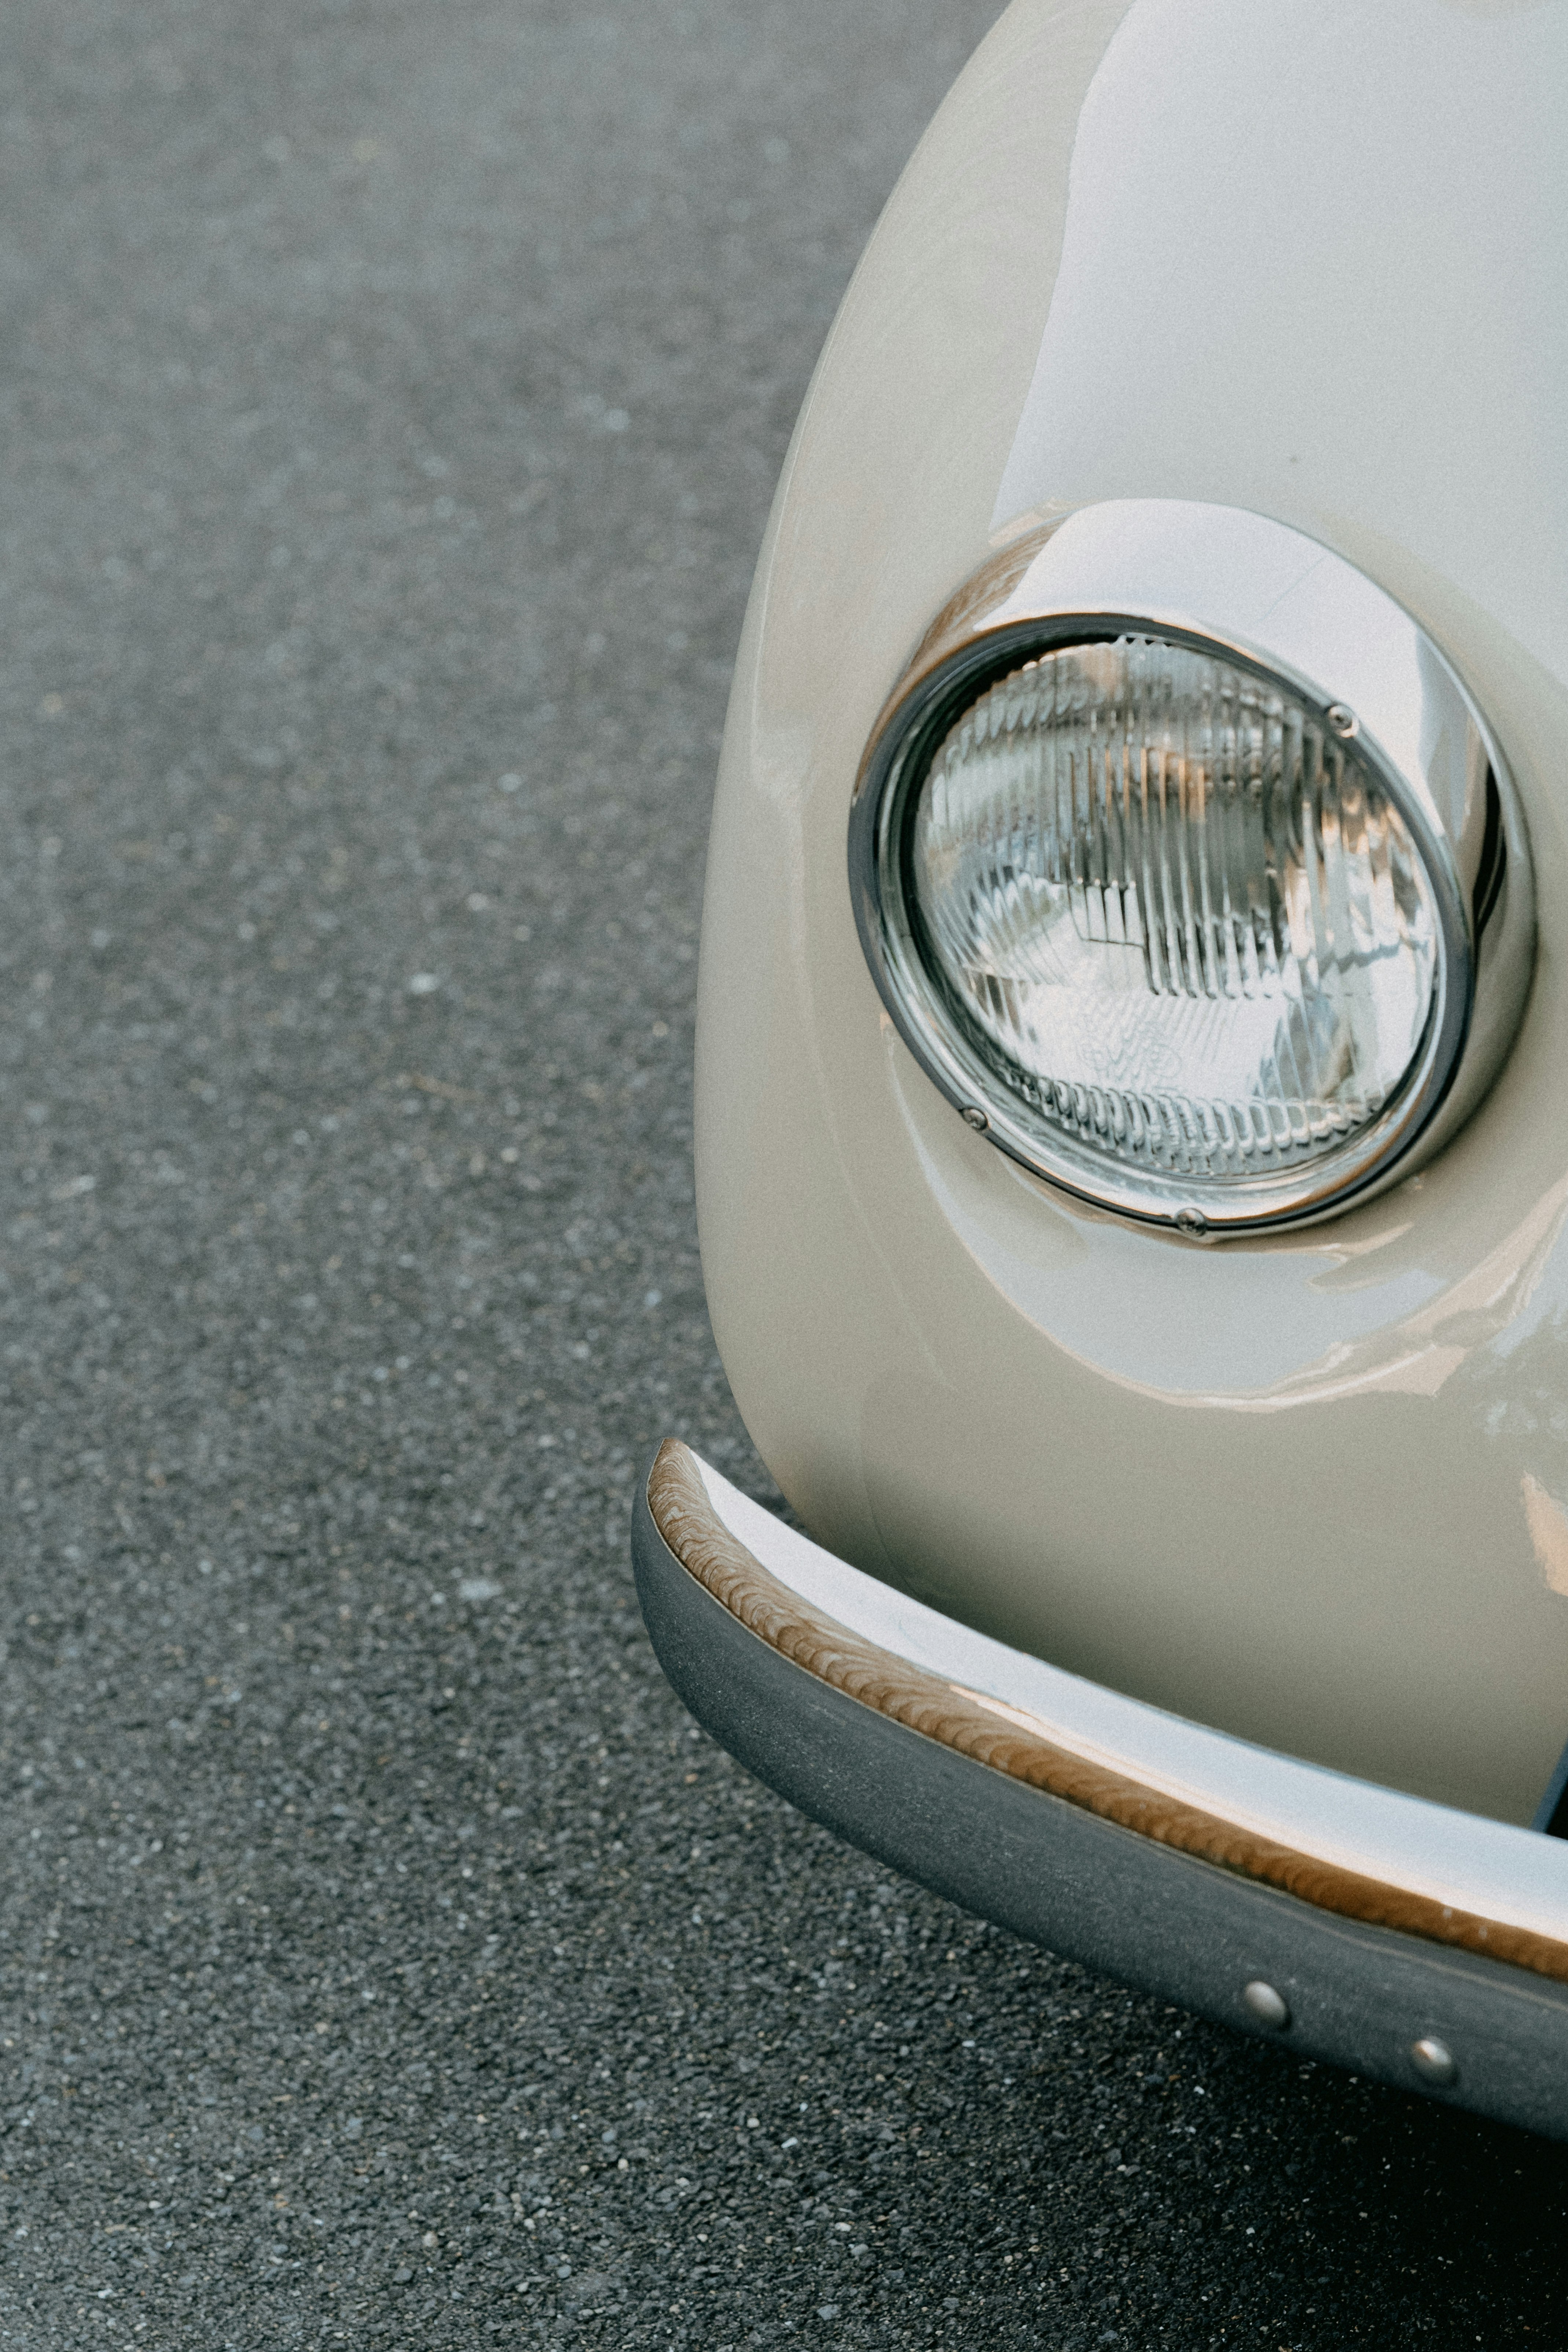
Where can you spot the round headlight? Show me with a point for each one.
(1175, 857)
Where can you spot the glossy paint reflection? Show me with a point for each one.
(1301, 244)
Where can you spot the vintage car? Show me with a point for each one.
(1132, 1120)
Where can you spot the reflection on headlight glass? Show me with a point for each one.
(1175, 913)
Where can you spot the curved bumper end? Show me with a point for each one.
(1358, 1926)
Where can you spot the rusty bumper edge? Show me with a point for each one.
(943, 1784)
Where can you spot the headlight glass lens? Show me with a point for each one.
(1172, 914)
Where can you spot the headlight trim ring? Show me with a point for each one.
(1269, 603)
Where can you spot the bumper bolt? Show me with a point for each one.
(1434, 2059)
(1270, 2008)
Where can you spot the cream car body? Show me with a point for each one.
(1309, 1490)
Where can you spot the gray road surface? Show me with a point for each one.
(392, 397)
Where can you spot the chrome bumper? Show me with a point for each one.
(1369, 1929)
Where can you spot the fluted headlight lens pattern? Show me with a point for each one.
(1175, 914)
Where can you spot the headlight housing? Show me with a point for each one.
(1190, 871)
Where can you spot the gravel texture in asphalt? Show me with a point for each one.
(392, 395)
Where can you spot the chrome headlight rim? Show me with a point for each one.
(1278, 605)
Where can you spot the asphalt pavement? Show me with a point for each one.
(391, 398)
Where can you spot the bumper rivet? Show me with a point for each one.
(1270, 2008)
(976, 1117)
(1434, 2059)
